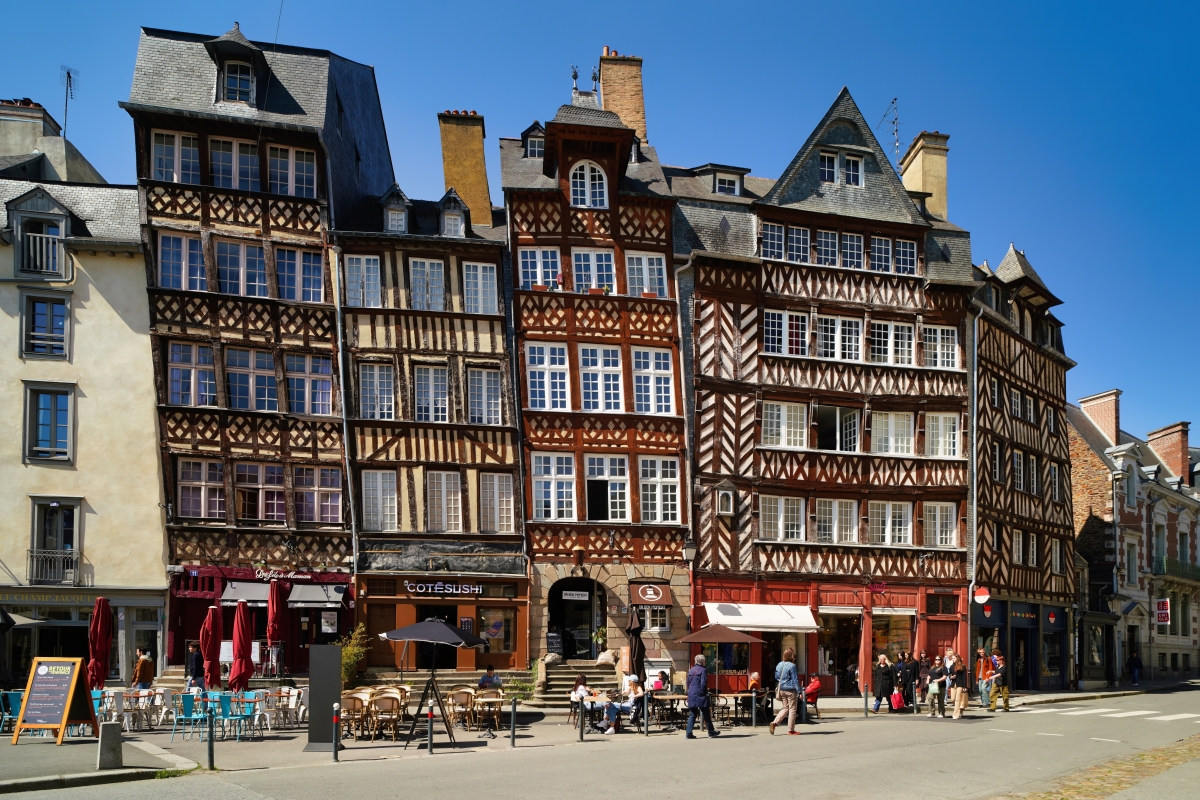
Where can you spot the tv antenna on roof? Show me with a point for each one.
(893, 111)
(68, 77)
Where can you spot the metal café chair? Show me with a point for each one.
(385, 713)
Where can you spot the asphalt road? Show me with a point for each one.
(892, 756)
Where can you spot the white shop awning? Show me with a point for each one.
(761, 617)
(319, 595)
(852, 611)
(882, 611)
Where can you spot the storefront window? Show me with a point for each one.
(145, 615)
(892, 635)
(734, 659)
(62, 614)
(1051, 655)
(1095, 651)
(499, 590)
(498, 627)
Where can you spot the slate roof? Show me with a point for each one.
(518, 172)
(101, 211)
(948, 255)
(726, 228)
(584, 115)
(1015, 266)
(1151, 466)
(26, 166)
(685, 182)
(881, 197)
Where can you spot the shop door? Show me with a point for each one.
(1052, 661)
(942, 636)
(1022, 658)
(433, 656)
(576, 610)
(381, 619)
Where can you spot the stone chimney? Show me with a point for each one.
(621, 90)
(463, 164)
(1104, 410)
(923, 169)
(1170, 444)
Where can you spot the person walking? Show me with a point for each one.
(960, 682)
(697, 692)
(852, 678)
(912, 674)
(923, 667)
(1134, 665)
(195, 668)
(999, 682)
(984, 668)
(937, 688)
(898, 670)
(143, 671)
(787, 691)
(885, 681)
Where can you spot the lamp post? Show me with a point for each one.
(689, 550)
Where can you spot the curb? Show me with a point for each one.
(1034, 701)
(76, 780)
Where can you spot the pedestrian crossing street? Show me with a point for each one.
(1114, 713)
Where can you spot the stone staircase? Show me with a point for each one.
(515, 681)
(175, 678)
(560, 680)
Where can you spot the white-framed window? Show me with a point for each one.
(781, 518)
(1018, 470)
(891, 343)
(546, 366)
(376, 392)
(653, 386)
(941, 347)
(535, 147)
(827, 166)
(589, 186)
(939, 524)
(835, 521)
(785, 333)
(258, 492)
(1030, 409)
(191, 375)
(452, 224)
(239, 82)
(201, 489)
(906, 257)
(998, 461)
(600, 378)
(397, 220)
(645, 274)
(309, 383)
(483, 396)
(852, 250)
(539, 267)
(234, 164)
(1056, 560)
(379, 500)
(1055, 485)
(660, 490)
(1034, 476)
(892, 432)
(49, 421)
(479, 288)
(1015, 403)
(881, 254)
(995, 392)
(318, 494)
(362, 282)
(839, 338)
(181, 263)
(593, 269)
(553, 486)
(658, 618)
(250, 376)
(443, 505)
(889, 523)
(797, 245)
(1031, 554)
(941, 435)
(1051, 419)
(784, 425)
(852, 171)
(837, 428)
(772, 241)
(1018, 547)
(175, 157)
(291, 171)
(241, 269)
(430, 394)
(827, 248)
(301, 275)
(45, 324)
(428, 285)
(607, 488)
(495, 502)
(1131, 487)
(727, 184)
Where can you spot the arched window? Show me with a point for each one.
(589, 187)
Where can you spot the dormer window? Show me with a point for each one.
(41, 246)
(238, 79)
(452, 224)
(589, 187)
(395, 220)
(728, 184)
(853, 171)
(535, 147)
(828, 167)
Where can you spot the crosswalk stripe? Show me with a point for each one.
(1171, 717)
(1046, 710)
(1131, 714)
(1087, 711)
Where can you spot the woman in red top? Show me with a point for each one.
(811, 691)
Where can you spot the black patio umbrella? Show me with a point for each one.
(637, 648)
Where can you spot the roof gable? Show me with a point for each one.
(881, 195)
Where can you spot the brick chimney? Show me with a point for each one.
(621, 90)
(1104, 410)
(463, 164)
(923, 169)
(1170, 444)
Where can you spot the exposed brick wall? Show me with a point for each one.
(1171, 446)
(1091, 484)
(463, 163)
(1105, 410)
(621, 90)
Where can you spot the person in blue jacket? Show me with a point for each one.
(697, 692)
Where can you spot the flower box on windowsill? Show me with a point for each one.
(541, 287)
(597, 290)
(650, 295)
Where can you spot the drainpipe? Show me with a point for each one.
(336, 269)
(974, 505)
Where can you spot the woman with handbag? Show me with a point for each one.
(937, 688)
(885, 681)
(787, 691)
(958, 681)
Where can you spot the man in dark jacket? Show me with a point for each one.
(1134, 665)
(999, 682)
(697, 692)
(195, 668)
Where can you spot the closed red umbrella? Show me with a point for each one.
(242, 667)
(99, 642)
(274, 609)
(210, 648)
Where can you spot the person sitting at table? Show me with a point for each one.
(631, 706)
(490, 679)
(661, 682)
(811, 692)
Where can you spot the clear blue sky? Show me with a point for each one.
(1071, 126)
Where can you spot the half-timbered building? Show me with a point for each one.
(596, 318)
(828, 346)
(247, 155)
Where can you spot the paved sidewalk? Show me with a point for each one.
(38, 756)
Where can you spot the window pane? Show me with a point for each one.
(285, 267)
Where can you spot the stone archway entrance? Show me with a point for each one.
(576, 608)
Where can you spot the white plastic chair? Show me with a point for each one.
(164, 699)
(302, 707)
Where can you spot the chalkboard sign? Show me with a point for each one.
(57, 695)
(554, 643)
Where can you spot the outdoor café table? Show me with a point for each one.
(669, 700)
(597, 703)
(493, 706)
(738, 706)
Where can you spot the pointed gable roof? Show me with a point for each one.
(1014, 269)
(882, 195)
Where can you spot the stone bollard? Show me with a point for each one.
(109, 755)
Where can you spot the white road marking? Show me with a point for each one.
(1094, 739)
(1171, 717)
(1131, 714)
(1087, 711)
(1048, 710)
(1049, 734)
(1001, 730)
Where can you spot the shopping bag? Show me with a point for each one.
(897, 700)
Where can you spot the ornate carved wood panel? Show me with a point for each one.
(435, 444)
(642, 543)
(222, 547)
(537, 216)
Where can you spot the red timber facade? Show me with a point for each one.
(598, 352)
(240, 182)
(829, 363)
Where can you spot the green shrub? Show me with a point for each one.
(354, 649)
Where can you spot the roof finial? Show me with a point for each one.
(236, 26)
(595, 77)
(574, 77)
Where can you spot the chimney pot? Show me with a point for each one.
(605, 49)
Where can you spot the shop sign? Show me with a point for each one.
(575, 595)
(1162, 611)
(466, 623)
(441, 587)
(329, 620)
(982, 595)
(47, 597)
(649, 594)
(877, 588)
(1052, 617)
(987, 610)
(276, 575)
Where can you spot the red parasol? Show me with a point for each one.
(866, 655)
(99, 642)
(242, 667)
(274, 609)
(210, 648)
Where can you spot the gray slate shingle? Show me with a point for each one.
(105, 211)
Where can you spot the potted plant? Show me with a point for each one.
(600, 638)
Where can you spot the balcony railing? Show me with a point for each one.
(1175, 568)
(42, 253)
(54, 567)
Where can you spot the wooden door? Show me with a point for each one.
(942, 635)
(381, 618)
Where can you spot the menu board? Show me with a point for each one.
(56, 696)
(554, 643)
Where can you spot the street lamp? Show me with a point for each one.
(689, 550)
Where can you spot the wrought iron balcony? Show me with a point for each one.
(42, 253)
(1175, 568)
(54, 567)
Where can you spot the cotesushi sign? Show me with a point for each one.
(1162, 612)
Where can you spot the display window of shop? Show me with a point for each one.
(498, 627)
(495, 503)
(443, 505)
(1051, 655)
(891, 635)
(201, 489)
(889, 523)
(1095, 646)
(732, 659)
(835, 521)
(607, 488)
(259, 490)
(781, 518)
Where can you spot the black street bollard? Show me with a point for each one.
(754, 708)
(337, 729)
(211, 732)
(429, 731)
(512, 724)
(802, 698)
(581, 719)
(646, 712)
